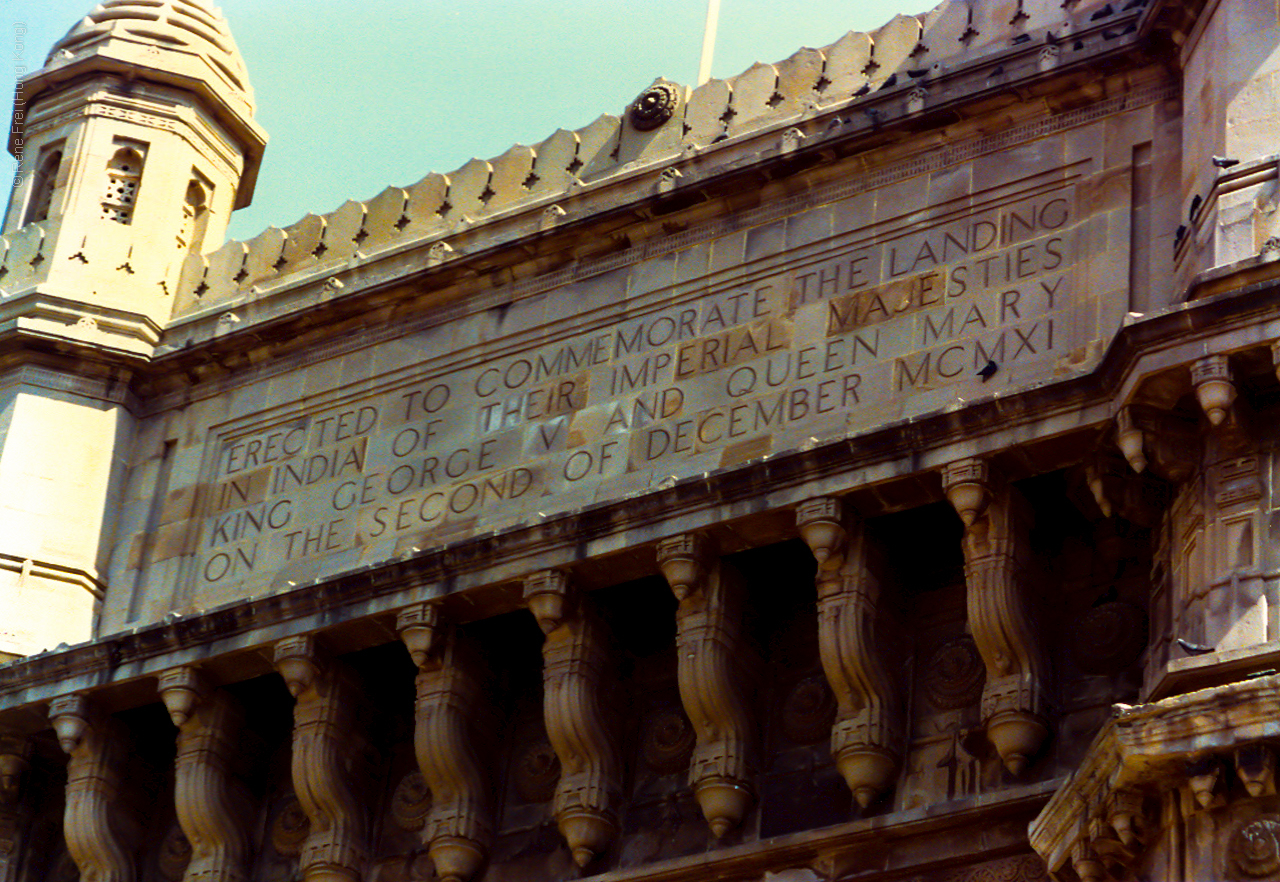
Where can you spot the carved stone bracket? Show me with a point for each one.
(712, 681)
(324, 720)
(15, 753)
(1215, 390)
(1014, 706)
(574, 664)
(92, 823)
(866, 735)
(212, 807)
(1186, 755)
(15, 750)
(459, 824)
(1149, 436)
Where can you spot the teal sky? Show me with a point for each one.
(356, 96)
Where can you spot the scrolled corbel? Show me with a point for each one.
(459, 823)
(1215, 390)
(710, 649)
(15, 754)
(211, 805)
(574, 663)
(865, 736)
(324, 719)
(92, 820)
(996, 550)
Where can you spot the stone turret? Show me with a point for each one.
(135, 142)
(1231, 65)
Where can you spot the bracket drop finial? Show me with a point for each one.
(1215, 390)
(682, 560)
(181, 689)
(965, 483)
(819, 522)
(1130, 440)
(419, 628)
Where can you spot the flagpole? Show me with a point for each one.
(709, 40)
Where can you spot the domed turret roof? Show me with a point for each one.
(180, 43)
(192, 40)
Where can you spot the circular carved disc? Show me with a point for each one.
(954, 675)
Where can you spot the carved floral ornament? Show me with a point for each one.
(655, 106)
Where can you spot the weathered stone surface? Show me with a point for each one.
(934, 372)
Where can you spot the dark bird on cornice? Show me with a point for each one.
(1194, 648)
(988, 370)
(1195, 206)
(1224, 162)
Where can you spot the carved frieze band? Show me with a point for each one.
(459, 825)
(574, 675)
(866, 736)
(324, 722)
(713, 683)
(1014, 707)
(211, 805)
(94, 821)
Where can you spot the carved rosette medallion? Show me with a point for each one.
(536, 771)
(654, 107)
(175, 854)
(954, 675)
(666, 741)
(411, 801)
(808, 711)
(290, 828)
(1253, 851)
(1110, 637)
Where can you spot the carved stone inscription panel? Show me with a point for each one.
(792, 339)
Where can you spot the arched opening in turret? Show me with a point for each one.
(43, 186)
(124, 176)
(195, 217)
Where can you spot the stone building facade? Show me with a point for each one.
(860, 468)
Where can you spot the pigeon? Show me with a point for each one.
(1194, 648)
(988, 370)
(1195, 206)
(1224, 162)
